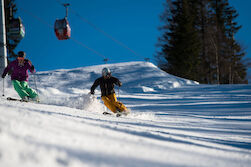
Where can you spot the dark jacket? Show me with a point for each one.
(106, 85)
(19, 72)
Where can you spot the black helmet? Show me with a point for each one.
(21, 54)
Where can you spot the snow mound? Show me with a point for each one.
(135, 76)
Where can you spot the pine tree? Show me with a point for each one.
(228, 54)
(236, 69)
(180, 42)
(198, 42)
(207, 45)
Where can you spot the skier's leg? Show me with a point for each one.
(108, 103)
(32, 93)
(119, 105)
(19, 88)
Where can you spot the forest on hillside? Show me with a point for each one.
(198, 42)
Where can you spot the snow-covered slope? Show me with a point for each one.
(173, 122)
(136, 77)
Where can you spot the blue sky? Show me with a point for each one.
(132, 22)
(244, 34)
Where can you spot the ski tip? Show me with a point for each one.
(106, 113)
(13, 99)
(23, 100)
(124, 113)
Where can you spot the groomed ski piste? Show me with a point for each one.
(174, 122)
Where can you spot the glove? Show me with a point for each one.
(3, 76)
(120, 84)
(32, 68)
(92, 92)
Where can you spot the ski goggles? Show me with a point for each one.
(107, 75)
(20, 58)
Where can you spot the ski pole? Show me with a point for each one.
(34, 79)
(3, 86)
(118, 93)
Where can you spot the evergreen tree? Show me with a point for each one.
(180, 42)
(218, 38)
(236, 69)
(228, 55)
(198, 42)
(205, 33)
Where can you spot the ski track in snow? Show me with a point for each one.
(173, 122)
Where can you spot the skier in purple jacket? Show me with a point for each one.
(18, 70)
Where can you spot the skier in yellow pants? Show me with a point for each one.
(108, 96)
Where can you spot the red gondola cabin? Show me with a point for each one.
(62, 29)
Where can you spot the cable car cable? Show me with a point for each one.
(73, 39)
(102, 31)
(94, 51)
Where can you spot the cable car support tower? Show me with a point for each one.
(3, 52)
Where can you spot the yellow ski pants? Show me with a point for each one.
(111, 102)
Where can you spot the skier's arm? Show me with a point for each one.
(94, 86)
(117, 82)
(6, 70)
(31, 67)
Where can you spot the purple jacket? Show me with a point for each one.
(19, 72)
